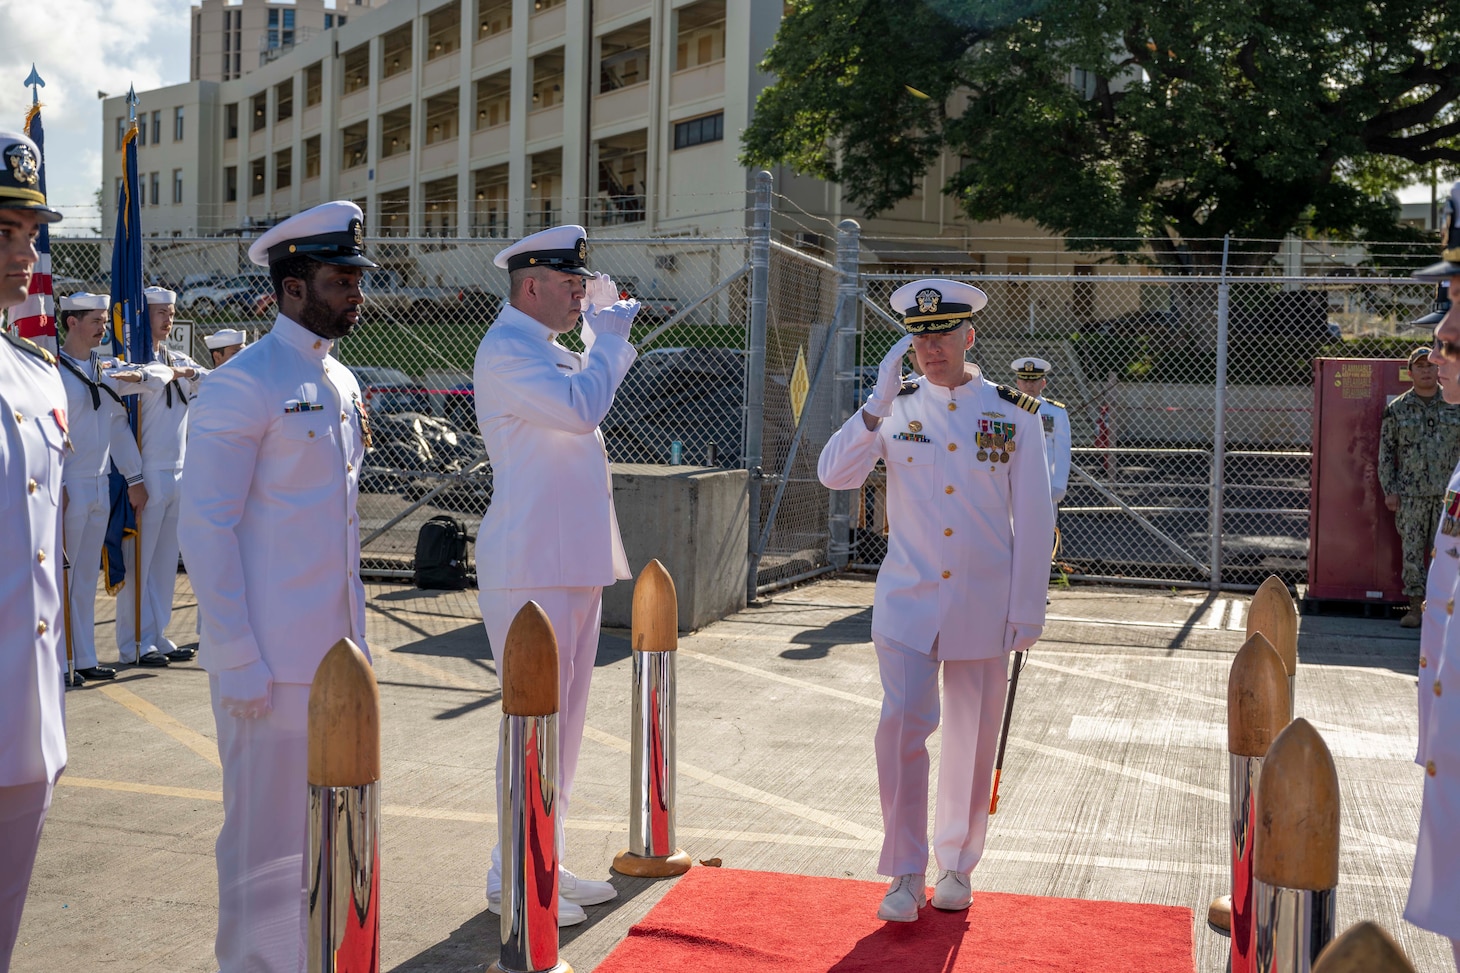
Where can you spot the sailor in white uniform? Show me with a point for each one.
(1434, 889)
(550, 534)
(224, 343)
(33, 443)
(163, 408)
(272, 546)
(100, 435)
(1031, 375)
(963, 583)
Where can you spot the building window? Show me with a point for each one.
(284, 169)
(281, 28)
(157, 128)
(256, 184)
(493, 18)
(355, 145)
(142, 130)
(547, 80)
(284, 100)
(313, 85)
(623, 58)
(329, 21)
(700, 38)
(443, 31)
(260, 111)
(490, 204)
(343, 18)
(395, 132)
(230, 184)
(494, 100)
(177, 124)
(440, 203)
(357, 68)
(121, 133)
(441, 116)
(311, 157)
(698, 131)
(230, 121)
(177, 185)
(156, 183)
(395, 52)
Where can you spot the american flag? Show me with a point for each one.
(35, 318)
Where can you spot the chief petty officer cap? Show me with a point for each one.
(332, 233)
(20, 177)
(562, 248)
(932, 306)
(226, 338)
(1030, 369)
(84, 301)
(159, 295)
(1449, 265)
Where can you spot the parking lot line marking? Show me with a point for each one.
(786, 680)
(127, 787)
(1235, 620)
(180, 732)
(1214, 617)
(1130, 683)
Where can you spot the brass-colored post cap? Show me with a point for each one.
(1296, 832)
(529, 673)
(344, 720)
(1273, 613)
(1258, 706)
(1363, 948)
(655, 624)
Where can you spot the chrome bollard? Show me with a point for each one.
(1295, 859)
(1257, 710)
(655, 637)
(344, 814)
(527, 830)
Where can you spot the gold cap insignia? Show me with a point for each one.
(928, 301)
(358, 231)
(22, 164)
(583, 250)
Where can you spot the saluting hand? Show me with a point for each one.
(617, 318)
(889, 380)
(598, 293)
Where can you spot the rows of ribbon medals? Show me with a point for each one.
(995, 441)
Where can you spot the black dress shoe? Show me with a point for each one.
(182, 655)
(73, 681)
(97, 672)
(153, 659)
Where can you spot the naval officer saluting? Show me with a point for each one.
(272, 545)
(963, 583)
(33, 443)
(550, 534)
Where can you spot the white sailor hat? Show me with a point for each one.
(84, 301)
(1449, 265)
(332, 233)
(931, 306)
(160, 295)
(1030, 369)
(226, 338)
(562, 248)
(20, 177)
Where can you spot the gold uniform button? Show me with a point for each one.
(316, 344)
(947, 531)
(349, 467)
(1430, 767)
(947, 574)
(1423, 662)
(311, 434)
(952, 447)
(41, 628)
(952, 406)
(19, 417)
(1450, 607)
(909, 459)
(30, 487)
(40, 556)
(1437, 687)
(343, 417)
(947, 489)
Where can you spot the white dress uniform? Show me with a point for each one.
(968, 553)
(272, 546)
(163, 408)
(33, 444)
(1055, 419)
(1439, 603)
(550, 534)
(100, 435)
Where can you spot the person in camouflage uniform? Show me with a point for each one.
(1419, 444)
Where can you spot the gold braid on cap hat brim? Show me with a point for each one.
(926, 319)
(29, 195)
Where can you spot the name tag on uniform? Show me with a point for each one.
(297, 405)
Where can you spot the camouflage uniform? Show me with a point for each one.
(1419, 444)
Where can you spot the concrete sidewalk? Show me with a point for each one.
(1115, 785)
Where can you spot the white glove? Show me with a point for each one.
(1019, 637)
(598, 293)
(614, 319)
(889, 380)
(244, 692)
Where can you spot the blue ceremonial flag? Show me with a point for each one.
(131, 339)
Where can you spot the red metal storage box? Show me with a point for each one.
(1353, 548)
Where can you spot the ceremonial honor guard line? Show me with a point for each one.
(765, 765)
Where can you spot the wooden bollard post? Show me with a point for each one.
(1273, 613)
(344, 814)
(1257, 711)
(527, 831)
(1295, 859)
(655, 636)
(1363, 948)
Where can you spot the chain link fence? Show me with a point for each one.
(1190, 395)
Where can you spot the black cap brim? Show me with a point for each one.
(344, 260)
(42, 213)
(1443, 270)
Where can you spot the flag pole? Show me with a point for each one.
(137, 567)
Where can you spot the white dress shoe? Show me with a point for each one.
(952, 892)
(583, 891)
(903, 899)
(569, 913)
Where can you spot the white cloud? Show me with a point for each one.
(81, 47)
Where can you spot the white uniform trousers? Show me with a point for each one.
(576, 614)
(262, 891)
(973, 705)
(22, 813)
(158, 522)
(88, 506)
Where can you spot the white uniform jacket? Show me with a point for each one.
(267, 525)
(32, 659)
(1056, 421)
(164, 410)
(1439, 603)
(551, 523)
(100, 432)
(968, 538)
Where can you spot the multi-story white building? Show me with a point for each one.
(231, 38)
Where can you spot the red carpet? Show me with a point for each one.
(721, 919)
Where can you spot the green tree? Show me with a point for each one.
(1123, 121)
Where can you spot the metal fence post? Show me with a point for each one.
(760, 273)
(844, 384)
(1219, 426)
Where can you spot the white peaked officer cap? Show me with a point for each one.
(932, 306)
(84, 301)
(562, 248)
(160, 295)
(1449, 265)
(332, 233)
(1030, 369)
(226, 338)
(20, 177)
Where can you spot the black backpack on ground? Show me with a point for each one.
(441, 560)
